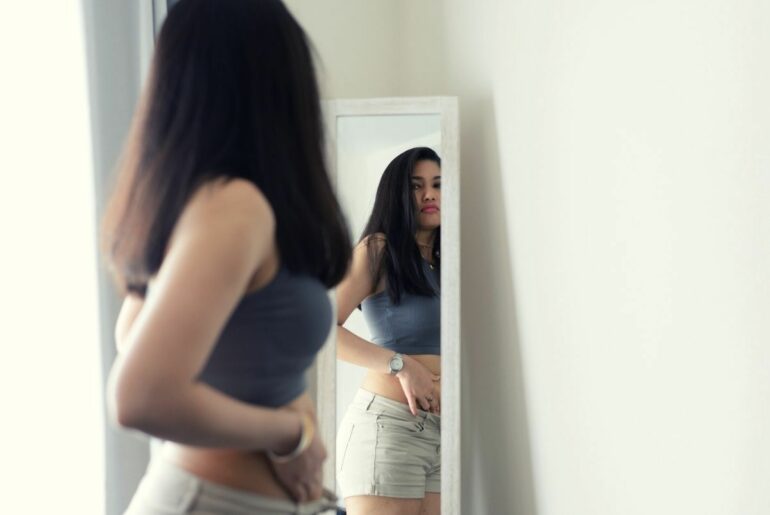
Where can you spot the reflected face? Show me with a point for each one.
(426, 186)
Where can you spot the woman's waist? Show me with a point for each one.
(242, 469)
(389, 386)
(366, 403)
(431, 361)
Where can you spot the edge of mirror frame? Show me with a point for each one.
(323, 377)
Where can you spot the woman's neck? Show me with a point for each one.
(425, 238)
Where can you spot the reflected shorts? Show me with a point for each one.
(167, 489)
(382, 449)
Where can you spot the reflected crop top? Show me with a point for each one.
(412, 326)
(270, 340)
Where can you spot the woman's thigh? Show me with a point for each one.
(378, 505)
(431, 505)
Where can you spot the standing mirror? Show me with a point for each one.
(363, 138)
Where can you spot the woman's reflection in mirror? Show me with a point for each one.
(389, 441)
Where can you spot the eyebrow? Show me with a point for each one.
(417, 178)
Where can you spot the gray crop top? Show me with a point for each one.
(412, 326)
(270, 340)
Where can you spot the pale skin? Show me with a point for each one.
(418, 384)
(222, 247)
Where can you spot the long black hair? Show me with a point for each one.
(232, 93)
(394, 216)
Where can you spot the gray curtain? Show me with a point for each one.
(159, 10)
(119, 40)
(114, 53)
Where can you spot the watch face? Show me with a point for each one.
(396, 363)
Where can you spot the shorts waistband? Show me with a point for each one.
(368, 401)
(257, 502)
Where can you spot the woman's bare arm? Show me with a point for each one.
(223, 235)
(357, 285)
(132, 305)
(416, 380)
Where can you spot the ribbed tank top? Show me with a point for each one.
(413, 326)
(270, 340)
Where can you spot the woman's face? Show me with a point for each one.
(426, 186)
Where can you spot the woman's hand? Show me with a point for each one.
(419, 385)
(302, 476)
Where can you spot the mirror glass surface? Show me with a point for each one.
(365, 145)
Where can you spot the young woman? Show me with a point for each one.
(225, 234)
(389, 442)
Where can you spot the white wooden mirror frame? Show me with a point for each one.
(325, 376)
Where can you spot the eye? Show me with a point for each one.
(437, 185)
(415, 186)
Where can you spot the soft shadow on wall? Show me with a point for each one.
(497, 463)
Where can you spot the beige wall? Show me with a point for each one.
(355, 42)
(375, 48)
(616, 240)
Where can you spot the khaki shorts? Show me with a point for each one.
(167, 489)
(382, 449)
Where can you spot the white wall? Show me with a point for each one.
(116, 45)
(629, 254)
(356, 43)
(375, 48)
(616, 245)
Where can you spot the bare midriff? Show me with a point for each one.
(234, 468)
(389, 386)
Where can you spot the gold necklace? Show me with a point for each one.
(427, 247)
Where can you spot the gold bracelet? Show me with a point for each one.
(308, 432)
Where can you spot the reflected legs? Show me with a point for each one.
(431, 505)
(378, 505)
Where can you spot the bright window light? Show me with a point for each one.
(50, 388)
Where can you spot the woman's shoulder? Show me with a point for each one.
(233, 194)
(229, 206)
(232, 199)
(371, 247)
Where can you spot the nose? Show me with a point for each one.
(430, 194)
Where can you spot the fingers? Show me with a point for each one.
(412, 404)
(307, 491)
(324, 454)
(314, 485)
(319, 478)
(434, 401)
(435, 404)
(315, 490)
(300, 492)
(436, 378)
(424, 404)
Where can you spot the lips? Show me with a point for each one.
(430, 209)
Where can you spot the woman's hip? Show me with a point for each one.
(167, 489)
(382, 449)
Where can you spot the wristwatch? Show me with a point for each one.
(396, 363)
